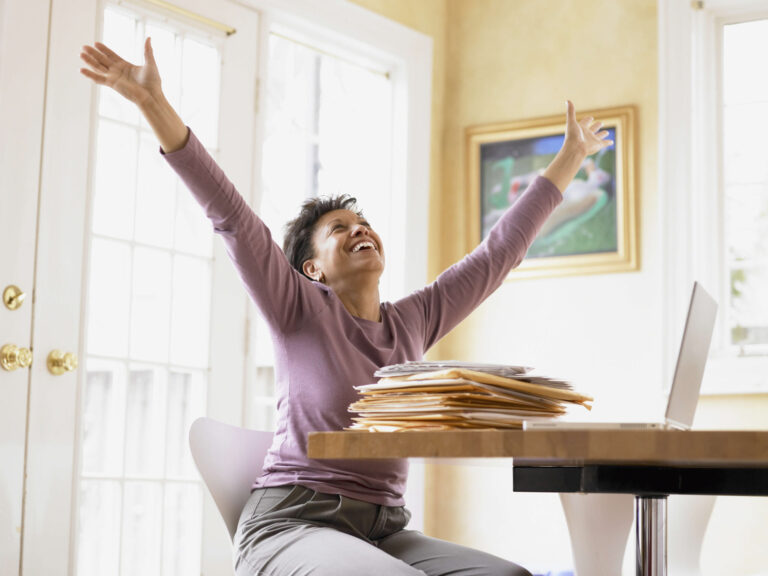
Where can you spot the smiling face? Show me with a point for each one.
(346, 249)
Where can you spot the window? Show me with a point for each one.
(328, 131)
(744, 115)
(714, 181)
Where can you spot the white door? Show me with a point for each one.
(127, 278)
(22, 89)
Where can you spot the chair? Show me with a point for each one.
(599, 526)
(229, 459)
(687, 521)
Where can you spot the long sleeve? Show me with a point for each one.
(283, 296)
(465, 285)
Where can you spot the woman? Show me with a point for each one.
(330, 333)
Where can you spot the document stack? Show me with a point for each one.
(459, 395)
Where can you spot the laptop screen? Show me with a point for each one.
(692, 359)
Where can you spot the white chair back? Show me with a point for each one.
(229, 459)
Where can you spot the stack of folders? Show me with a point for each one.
(458, 395)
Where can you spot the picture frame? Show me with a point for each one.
(594, 230)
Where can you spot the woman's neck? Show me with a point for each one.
(361, 302)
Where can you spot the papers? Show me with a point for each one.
(410, 368)
(457, 395)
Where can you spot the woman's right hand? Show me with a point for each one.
(139, 84)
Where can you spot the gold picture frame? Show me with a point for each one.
(594, 230)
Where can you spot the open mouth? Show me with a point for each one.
(365, 245)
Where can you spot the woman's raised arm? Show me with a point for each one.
(142, 86)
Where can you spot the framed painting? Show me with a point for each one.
(594, 229)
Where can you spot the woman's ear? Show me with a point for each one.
(310, 269)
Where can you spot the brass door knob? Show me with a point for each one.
(60, 362)
(12, 357)
(13, 297)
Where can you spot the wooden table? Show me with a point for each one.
(651, 464)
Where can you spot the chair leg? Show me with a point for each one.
(599, 526)
(687, 521)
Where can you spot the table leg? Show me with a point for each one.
(651, 535)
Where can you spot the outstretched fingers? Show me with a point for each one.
(98, 56)
(107, 52)
(98, 78)
(93, 62)
(586, 122)
(602, 138)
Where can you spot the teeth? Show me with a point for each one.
(358, 247)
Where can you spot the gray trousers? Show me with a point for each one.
(295, 531)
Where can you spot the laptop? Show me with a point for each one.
(686, 383)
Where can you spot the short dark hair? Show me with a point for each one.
(297, 244)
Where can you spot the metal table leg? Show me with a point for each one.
(651, 535)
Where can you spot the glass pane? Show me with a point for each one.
(201, 67)
(182, 529)
(141, 529)
(103, 417)
(98, 550)
(193, 231)
(744, 147)
(264, 381)
(355, 107)
(114, 181)
(749, 306)
(293, 70)
(261, 414)
(120, 34)
(745, 119)
(263, 349)
(191, 311)
(155, 196)
(288, 164)
(746, 212)
(151, 306)
(741, 42)
(144, 421)
(186, 402)
(108, 298)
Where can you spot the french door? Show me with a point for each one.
(125, 284)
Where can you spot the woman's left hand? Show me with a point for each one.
(582, 138)
(584, 135)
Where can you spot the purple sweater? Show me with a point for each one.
(321, 350)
